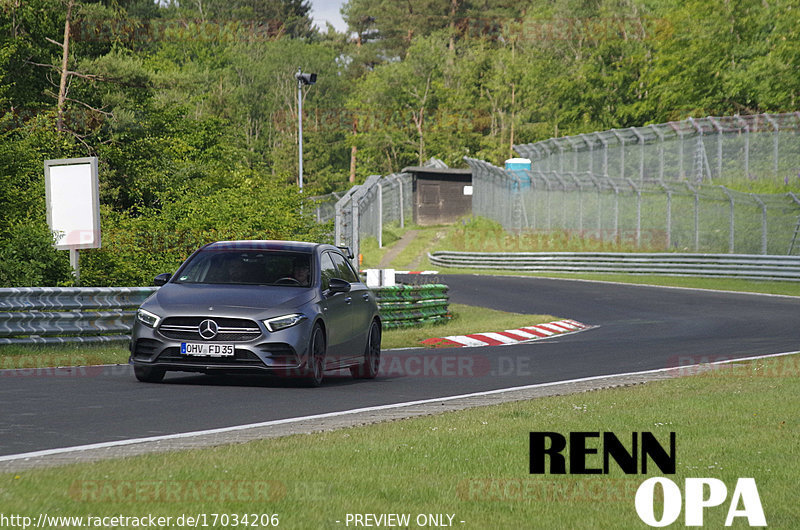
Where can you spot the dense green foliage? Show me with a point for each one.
(191, 107)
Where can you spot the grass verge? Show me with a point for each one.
(42, 356)
(739, 421)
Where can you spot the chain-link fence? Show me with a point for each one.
(364, 209)
(694, 150)
(660, 215)
(325, 206)
(650, 187)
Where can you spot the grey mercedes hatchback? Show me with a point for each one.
(280, 307)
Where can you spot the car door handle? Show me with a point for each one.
(348, 300)
(365, 296)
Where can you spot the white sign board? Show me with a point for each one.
(73, 202)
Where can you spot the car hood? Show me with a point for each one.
(229, 299)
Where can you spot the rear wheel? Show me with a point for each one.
(315, 366)
(369, 367)
(149, 374)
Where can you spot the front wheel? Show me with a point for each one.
(148, 374)
(369, 367)
(315, 365)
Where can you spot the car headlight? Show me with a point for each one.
(147, 318)
(283, 322)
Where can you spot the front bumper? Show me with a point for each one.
(270, 352)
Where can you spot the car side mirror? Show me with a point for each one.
(337, 285)
(161, 279)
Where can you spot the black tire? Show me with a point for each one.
(368, 369)
(315, 367)
(149, 374)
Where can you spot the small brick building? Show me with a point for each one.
(442, 195)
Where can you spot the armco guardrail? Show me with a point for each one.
(755, 267)
(53, 315)
(30, 315)
(411, 305)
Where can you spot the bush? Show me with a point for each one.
(28, 259)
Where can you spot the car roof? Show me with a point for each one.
(291, 246)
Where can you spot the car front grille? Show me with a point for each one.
(229, 329)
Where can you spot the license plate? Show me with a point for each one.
(207, 350)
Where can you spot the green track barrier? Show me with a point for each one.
(412, 305)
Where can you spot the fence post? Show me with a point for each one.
(718, 127)
(743, 124)
(640, 139)
(638, 213)
(402, 212)
(380, 215)
(621, 140)
(731, 228)
(797, 226)
(775, 129)
(696, 216)
(763, 222)
(669, 217)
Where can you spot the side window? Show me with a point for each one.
(345, 270)
(327, 270)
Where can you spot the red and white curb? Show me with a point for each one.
(416, 272)
(509, 336)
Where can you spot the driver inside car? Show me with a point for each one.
(300, 272)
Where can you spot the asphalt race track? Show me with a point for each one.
(638, 328)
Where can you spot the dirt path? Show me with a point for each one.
(395, 251)
(418, 260)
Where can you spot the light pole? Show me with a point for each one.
(302, 79)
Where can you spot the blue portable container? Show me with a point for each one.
(520, 166)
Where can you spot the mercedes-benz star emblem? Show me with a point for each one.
(208, 329)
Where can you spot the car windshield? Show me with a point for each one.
(248, 267)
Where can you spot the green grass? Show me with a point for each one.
(40, 355)
(466, 319)
(414, 256)
(473, 463)
(478, 234)
(371, 253)
(763, 184)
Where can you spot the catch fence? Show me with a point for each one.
(753, 147)
(365, 209)
(647, 195)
